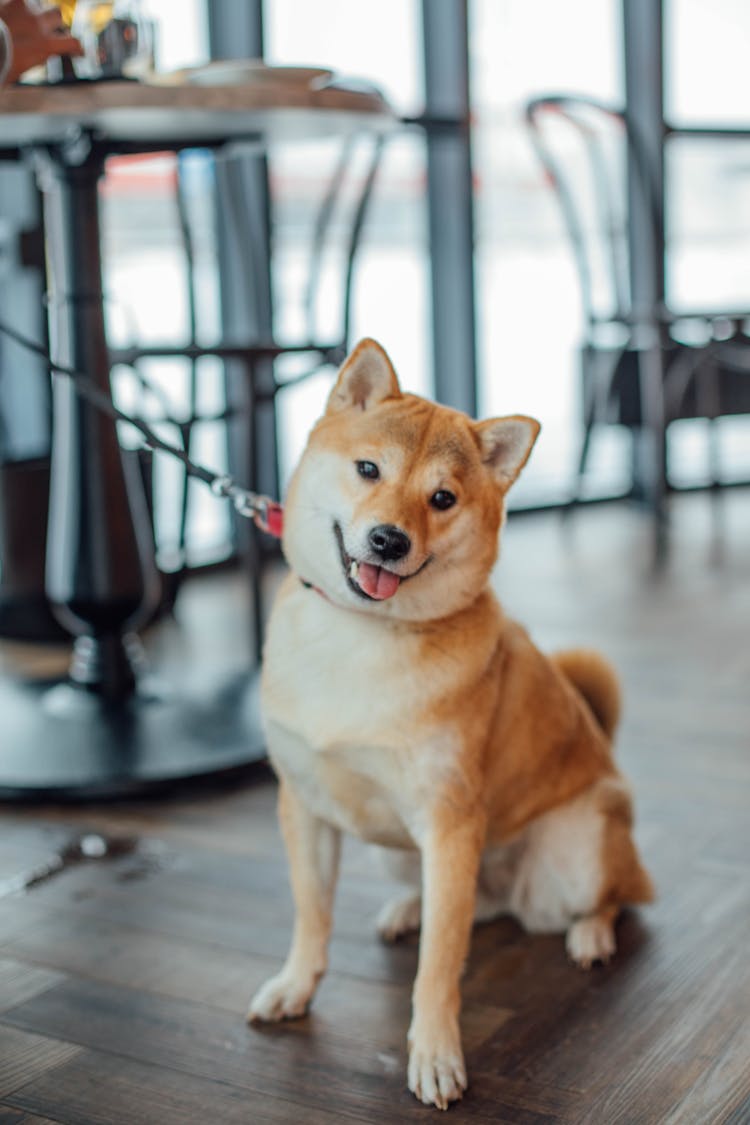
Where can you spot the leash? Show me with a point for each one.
(267, 514)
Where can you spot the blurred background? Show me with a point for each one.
(528, 311)
(135, 928)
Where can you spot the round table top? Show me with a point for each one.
(130, 113)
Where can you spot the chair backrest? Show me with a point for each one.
(586, 147)
(327, 234)
(358, 209)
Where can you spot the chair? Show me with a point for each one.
(640, 367)
(257, 358)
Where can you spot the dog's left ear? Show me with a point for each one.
(366, 378)
(505, 445)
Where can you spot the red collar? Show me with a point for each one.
(271, 520)
(317, 589)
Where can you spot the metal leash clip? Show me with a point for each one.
(267, 514)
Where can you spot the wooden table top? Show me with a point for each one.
(134, 112)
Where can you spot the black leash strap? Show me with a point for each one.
(265, 512)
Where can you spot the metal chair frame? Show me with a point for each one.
(654, 375)
(250, 354)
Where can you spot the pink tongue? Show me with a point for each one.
(376, 582)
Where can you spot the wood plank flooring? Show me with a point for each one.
(124, 981)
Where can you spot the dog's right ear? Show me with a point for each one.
(366, 378)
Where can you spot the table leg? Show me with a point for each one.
(101, 574)
(97, 735)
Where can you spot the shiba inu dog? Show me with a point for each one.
(403, 706)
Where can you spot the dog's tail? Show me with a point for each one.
(596, 680)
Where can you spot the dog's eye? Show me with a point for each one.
(443, 500)
(368, 470)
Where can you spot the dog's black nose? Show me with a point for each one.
(389, 542)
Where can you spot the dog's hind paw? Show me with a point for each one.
(281, 998)
(400, 916)
(589, 940)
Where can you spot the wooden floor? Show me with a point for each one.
(124, 980)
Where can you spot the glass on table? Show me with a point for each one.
(116, 36)
(67, 11)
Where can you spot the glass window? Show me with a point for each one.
(707, 188)
(529, 305)
(147, 299)
(706, 48)
(708, 214)
(181, 32)
(382, 44)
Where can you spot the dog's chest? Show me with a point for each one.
(336, 677)
(360, 789)
(344, 714)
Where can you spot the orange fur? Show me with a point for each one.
(597, 682)
(429, 720)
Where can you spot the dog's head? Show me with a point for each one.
(396, 505)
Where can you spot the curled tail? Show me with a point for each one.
(597, 682)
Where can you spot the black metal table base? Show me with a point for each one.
(60, 742)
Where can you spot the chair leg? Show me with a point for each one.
(710, 407)
(654, 439)
(588, 381)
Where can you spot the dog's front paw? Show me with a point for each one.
(400, 916)
(589, 940)
(437, 1074)
(283, 997)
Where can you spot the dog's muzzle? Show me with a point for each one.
(370, 580)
